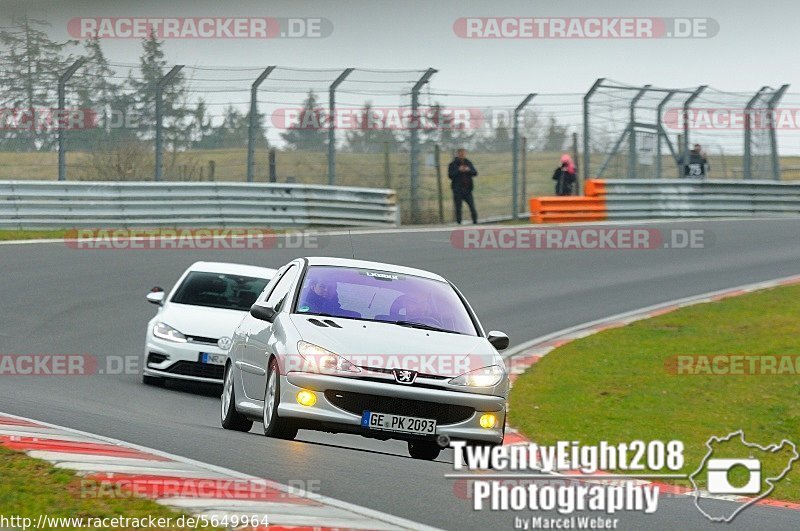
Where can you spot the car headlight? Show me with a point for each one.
(165, 331)
(323, 360)
(484, 377)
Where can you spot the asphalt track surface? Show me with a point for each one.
(60, 300)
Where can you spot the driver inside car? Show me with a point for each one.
(416, 307)
(322, 297)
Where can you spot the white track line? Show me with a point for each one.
(377, 517)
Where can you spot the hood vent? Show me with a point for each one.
(318, 323)
(332, 323)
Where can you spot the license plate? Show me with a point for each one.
(386, 421)
(213, 359)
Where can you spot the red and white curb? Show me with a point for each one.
(521, 358)
(184, 484)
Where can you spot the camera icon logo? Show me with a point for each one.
(719, 482)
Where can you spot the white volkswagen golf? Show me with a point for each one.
(189, 337)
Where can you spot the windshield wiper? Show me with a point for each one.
(422, 326)
(319, 314)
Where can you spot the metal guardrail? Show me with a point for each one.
(676, 198)
(54, 205)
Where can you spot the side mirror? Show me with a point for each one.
(263, 313)
(156, 296)
(498, 339)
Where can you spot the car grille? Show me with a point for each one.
(384, 370)
(357, 403)
(200, 370)
(200, 339)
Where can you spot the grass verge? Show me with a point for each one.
(31, 487)
(6, 235)
(621, 384)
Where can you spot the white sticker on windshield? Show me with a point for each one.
(382, 276)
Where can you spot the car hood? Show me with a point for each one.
(389, 346)
(201, 320)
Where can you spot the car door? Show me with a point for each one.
(256, 346)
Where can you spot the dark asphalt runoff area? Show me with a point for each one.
(60, 300)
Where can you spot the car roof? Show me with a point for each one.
(233, 269)
(379, 266)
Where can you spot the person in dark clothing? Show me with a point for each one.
(461, 172)
(695, 165)
(322, 297)
(564, 176)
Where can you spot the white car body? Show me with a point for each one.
(374, 363)
(207, 330)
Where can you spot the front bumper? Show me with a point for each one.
(182, 361)
(336, 418)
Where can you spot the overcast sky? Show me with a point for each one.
(756, 43)
(748, 45)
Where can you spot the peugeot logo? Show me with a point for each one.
(404, 376)
(224, 343)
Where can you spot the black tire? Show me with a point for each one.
(155, 381)
(424, 450)
(231, 419)
(274, 426)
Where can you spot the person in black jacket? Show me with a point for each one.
(564, 176)
(695, 164)
(461, 172)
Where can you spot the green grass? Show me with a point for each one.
(6, 235)
(31, 487)
(615, 386)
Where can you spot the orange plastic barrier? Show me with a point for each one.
(567, 208)
(595, 187)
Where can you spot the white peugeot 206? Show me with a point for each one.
(189, 337)
(380, 350)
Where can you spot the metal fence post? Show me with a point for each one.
(747, 162)
(525, 172)
(414, 139)
(577, 190)
(586, 140)
(515, 157)
(686, 104)
(273, 172)
(437, 162)
(633, 156)
(660, 130)
(251, 128)
(62, 102)
(332, 124)
(387, 171)
(773, 140)
(160, 119)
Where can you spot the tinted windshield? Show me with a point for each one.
(218, 290)
(383, 296)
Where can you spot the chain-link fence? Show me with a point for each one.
(651, 132)
(83, 117)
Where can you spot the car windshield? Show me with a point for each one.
(375, 295)
(219, 290)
